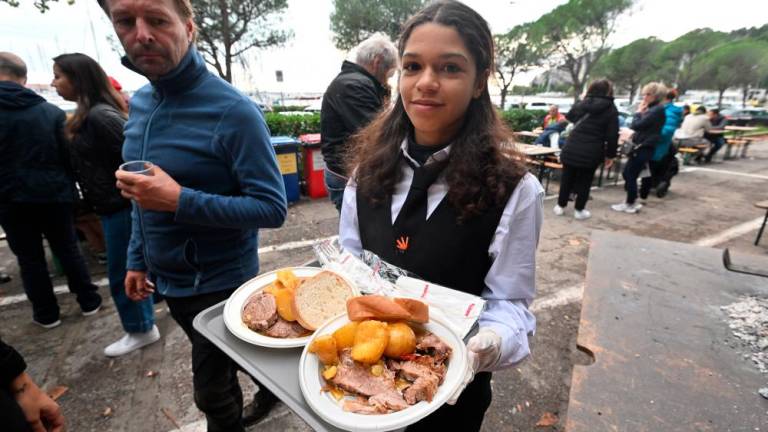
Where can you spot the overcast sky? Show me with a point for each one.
(309, 61)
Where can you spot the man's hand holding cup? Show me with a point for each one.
(148, 185)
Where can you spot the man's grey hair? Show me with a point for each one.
(13, 66)
(377, 45)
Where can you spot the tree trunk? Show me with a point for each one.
(226, 33)
(632, 91)
(720, 98)
(503, 97)
(744, 93)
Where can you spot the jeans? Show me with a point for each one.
(25, 225)
(136, 317)
(577, 180)
(632, 171)
(717, 142)
(217, 392)
(335, 185)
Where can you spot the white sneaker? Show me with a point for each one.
(627, 208)
(582, 214)
(131, 342)
(558, 211)
(47, 326)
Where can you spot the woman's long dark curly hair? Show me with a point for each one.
(91, 85)
(479, 175)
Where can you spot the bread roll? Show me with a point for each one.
(387, 309)
(320, 298)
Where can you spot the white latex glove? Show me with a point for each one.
(483, 351)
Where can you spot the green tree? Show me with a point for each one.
(631, 64)
(228, 28)
(42, 5)
(738, 64)
(353, 21)
(575, 34)
(513, 54)
(678, 57)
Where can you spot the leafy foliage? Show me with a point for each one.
(737, 64)
(629, 66)
(42, 5)
(514, 53)
(292, 125)
(677, 57)
(575, 34)
(522, 119)
(353, 21)
(228, 28)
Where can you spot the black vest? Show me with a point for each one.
(443, 251)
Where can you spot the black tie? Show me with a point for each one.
(413, 214)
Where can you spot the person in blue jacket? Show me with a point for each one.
(661, 165)
(214, 182)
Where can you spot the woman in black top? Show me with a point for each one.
(96, 134)
(647, 124)
(593, 141)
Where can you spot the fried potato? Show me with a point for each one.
(284, 300)
(325, 348)
(371, 339)
(287, 279)
(345, 336)
(402, 340)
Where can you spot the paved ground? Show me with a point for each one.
(150, 390)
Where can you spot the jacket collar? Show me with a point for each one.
(348, 66)
(189, 70)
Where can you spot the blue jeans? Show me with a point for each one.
(136, 317)
(632, 170)
(335, 185)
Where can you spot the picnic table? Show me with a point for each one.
(664, 358)
(738, 139)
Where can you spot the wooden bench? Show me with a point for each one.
(689, 153)
(737, 144)
(762, 205)
(550, 166)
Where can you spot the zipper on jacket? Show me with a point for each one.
(142, 155)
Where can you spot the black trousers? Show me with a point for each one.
(632, 171)
(217, 391)
(25, 225)
(468, 413)
(575, 180)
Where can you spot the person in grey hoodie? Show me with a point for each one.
(37, 195)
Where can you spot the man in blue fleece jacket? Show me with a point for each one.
(215, 182)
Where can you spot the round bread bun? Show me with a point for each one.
(320, 298)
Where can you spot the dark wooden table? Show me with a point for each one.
(652, 320)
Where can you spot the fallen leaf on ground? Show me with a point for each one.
(547, 419)
(107, 412)
(57, 392)
(111, 363)
(151, 374)
(171, 417)
(574, 242)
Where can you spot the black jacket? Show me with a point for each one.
(11, 365)
(33, 159)
(96, 153)
(351, 101)
(596, 137)
(648, 125)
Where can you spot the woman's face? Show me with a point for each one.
(438, 82)
(63, 85)
(648, 97)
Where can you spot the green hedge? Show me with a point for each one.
(284, 108)
(522, 119)
(295, 125)
(292, 125)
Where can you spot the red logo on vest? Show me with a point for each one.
(402, 244)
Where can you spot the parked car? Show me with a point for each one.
(746, 116)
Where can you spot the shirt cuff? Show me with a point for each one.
(184, 209)
(514, 346)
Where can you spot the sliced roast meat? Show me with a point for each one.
(424, 388)
(260, 311)
(361, 407)
(392, 400)
(286, 329)
(357, 378)
(429, 342)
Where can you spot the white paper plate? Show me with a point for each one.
(331, 410)
(234, 307)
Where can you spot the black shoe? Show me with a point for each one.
(262, 403)
(4, 278)
(662, 189)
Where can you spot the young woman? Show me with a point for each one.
(592, 142)
(432, 193)
(647, 124)
(96, 133)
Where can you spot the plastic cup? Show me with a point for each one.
(138, 167)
